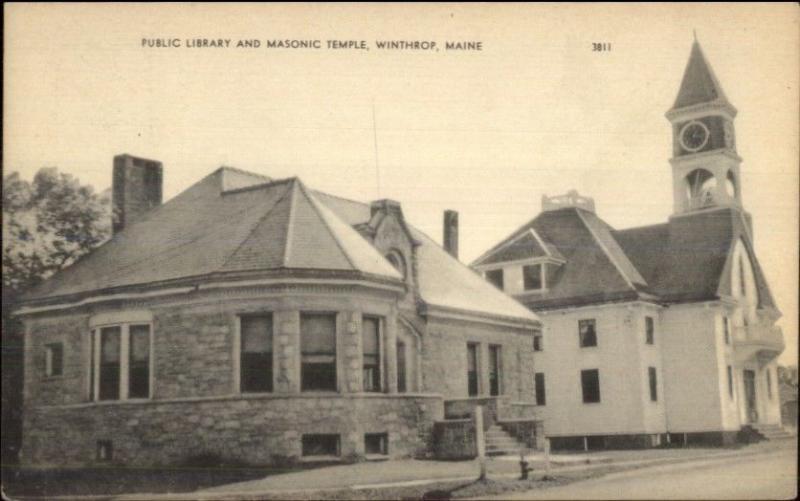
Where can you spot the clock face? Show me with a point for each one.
(694, 136)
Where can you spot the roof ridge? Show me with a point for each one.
(609, 254)
(314, 204)
(258, 186)
(253, 229)
(640, 227)
(289, 225)
(365, 204)
(241, 171)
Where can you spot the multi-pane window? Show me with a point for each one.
(495, 369)
(587, 333)
(495, 277)
(472, 369)
(121, 362)
(139, 361)
(769, 383)
(54, 359)
(401, 367)
(541, 397)
(730, 381)
(318, 352)
(538, 341)
(590, 385)
(371, 334)
(726, 329)
(255, 357)
(110, 363)
(651, 373)
(532, 277)
(649, 330)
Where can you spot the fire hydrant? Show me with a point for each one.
(523, 466)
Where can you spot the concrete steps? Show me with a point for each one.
(501, 443)
(771, 431)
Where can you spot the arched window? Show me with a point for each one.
(395, 257)
(700, 188)
(730, 184)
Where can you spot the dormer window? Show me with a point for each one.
(396, 259)
(495, 277)
(532, 277)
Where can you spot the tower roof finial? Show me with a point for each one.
(694, 32)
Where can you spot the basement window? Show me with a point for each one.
(376, 444)
(105, 450)
(54, 360)
(324, 445)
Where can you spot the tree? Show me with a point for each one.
(47, 225)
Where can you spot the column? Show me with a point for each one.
(390, 336)
(286, 346)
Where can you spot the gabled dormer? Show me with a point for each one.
(389, 233)
(525, 264)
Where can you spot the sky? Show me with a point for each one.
(535, 112)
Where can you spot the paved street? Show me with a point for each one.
(765, 476)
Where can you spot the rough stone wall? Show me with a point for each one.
(263, 430)
(454, 439)
(444, 358)
(68, 388)
(193, 355)
(195, 406)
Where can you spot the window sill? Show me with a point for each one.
(48, 379)
(376, 457)
(592, 403)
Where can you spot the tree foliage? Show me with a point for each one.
(48, 224)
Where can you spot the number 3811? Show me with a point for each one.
(601, 47)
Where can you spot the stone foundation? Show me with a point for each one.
(255, 430)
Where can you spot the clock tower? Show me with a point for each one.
(705, 166)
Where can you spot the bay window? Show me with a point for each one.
(255, 357)
(121, 362)
(371, 334)
(318, 352)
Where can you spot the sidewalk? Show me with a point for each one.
(399, 473)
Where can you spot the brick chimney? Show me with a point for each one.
(450, 238)
(137, 188)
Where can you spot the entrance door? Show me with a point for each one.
(750, 395)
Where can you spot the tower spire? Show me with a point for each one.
(699, 84)
(705, 166)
